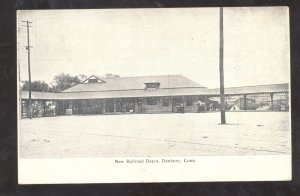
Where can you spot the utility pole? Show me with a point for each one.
(20, 99)
(29, 73)
(221, 58)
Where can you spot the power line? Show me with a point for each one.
(29, 72)
(20, 99)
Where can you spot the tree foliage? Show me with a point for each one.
(82, 77)
(40, 86)
(60, 82)
(63, 81)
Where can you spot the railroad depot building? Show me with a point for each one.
(147, 94)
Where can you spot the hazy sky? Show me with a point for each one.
(134, 42)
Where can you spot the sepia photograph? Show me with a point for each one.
(154, 92)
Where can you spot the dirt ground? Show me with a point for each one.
(189, 134)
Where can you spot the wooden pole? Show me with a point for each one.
(221, 57)
(103, 106)
(115, 105)
(44, 108)
(29, 72)
(206, 103)
(272, 101)
(245, 102)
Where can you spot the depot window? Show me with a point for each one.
(152, 85)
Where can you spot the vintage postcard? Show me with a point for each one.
(154, 95)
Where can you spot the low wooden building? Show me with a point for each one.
(142, 94)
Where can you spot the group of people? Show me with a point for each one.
(39, 109)
(202, 106)
(125, 107)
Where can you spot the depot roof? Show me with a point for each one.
(170, 85)
(134, 83)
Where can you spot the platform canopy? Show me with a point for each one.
(260, 89)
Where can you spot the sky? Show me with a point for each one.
(161, 41)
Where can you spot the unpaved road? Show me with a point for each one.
(193, 134)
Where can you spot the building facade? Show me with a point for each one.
(143, 94)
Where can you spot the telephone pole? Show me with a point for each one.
(221, 58)
(19, 88)
(29, 72)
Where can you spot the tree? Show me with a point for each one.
(82, 77)
(64, 81)
(40, 86)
